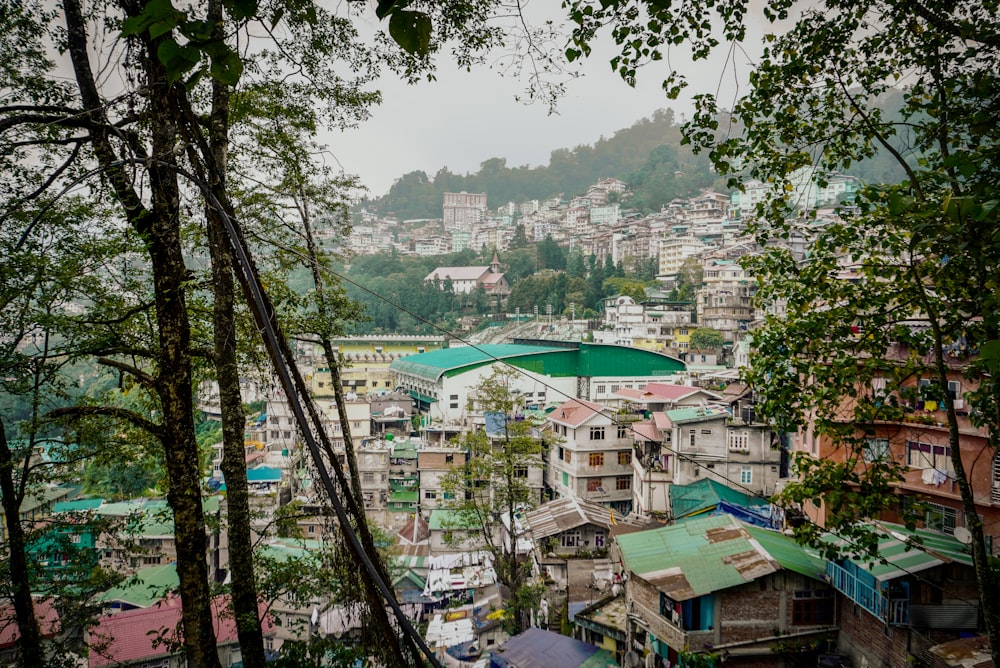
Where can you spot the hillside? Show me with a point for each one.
(649, 156)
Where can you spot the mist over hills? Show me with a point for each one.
(649, 156)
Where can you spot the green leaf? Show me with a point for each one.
(241, 9)
(177, 59)
(384, 8)
(227, 69)
(158, 15)
(411, 30)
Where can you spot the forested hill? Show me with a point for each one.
(649, 156)
(627, 155)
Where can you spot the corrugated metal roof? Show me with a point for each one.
(904, 551)
(536, 647)
(554, 517)
(149, 586)
(696, 414)
(575, 412)
(790, 555)
(697, 557)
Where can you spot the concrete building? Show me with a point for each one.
(441, 381)
(593, 458)
(462, 210)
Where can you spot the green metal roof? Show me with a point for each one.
(705, 494)
(585, 359)
(695, 414)
(77, 505)
(433, 364)
(144, 589)
(697, 557)
(448, 519)
(907, 551)
(791, 555)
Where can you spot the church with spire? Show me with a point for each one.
(465, 280)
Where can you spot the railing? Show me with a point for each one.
(895, 612)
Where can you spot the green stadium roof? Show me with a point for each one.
(577, 359)
(432, 365)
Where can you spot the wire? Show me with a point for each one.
(602, 411)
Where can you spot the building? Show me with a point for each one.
(441, 382)
(465, 280)
(683, 445)
(462, 210)
(365, 360)
(592, 458)
(714, 584)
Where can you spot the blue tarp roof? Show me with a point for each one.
(536, 647)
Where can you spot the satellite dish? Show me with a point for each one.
(963, 535)
(631, 659)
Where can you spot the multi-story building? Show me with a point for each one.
(462, 210)
(686, 444)
(592, 456)
(365, 362)
(647, 326)
(433, 464)
(725, 300)
(674, 250)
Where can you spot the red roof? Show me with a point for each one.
(131, 635)
(646, 430)
(662, 421)
(674, 392)
(575, 412)
(45, 613)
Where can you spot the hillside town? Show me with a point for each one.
(644, 518)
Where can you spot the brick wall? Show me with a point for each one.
(867, 640)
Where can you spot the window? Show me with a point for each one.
(812, 608)
(615, 388)
(430, 494)
(570, 538)
(954, 389)
(453, 397)
(565, 479)
(691, 437)
(622, 431)
(599, 538)
(739, 440)
(453, 404)
(876, 449)
(601, 389)
(368, 477)
(940, 518)
(594, 485)
(74, 539)
(597, 433)
(520, 471)
(624, 457)
(706, 431)
(596, 459)
(928, 456)
(623, 482)
(746, 475)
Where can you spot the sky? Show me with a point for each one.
(464, 119)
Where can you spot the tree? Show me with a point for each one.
(520, 238)
(492, 488)
(922, 255)
(706, 338)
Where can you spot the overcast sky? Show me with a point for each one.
(463, 119)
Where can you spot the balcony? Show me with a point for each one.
(893, 612)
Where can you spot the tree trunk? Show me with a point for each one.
(332, 361)
(29, 645)
(244, 587)
(160, 229)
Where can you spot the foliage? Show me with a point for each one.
(493, 487)
(706, 338)
(903, 288)
(627, 154)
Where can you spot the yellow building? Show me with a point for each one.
(365, 362)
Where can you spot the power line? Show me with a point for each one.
(628, 425)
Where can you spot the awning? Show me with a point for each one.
(422, 397)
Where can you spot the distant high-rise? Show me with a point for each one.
(462, 210)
